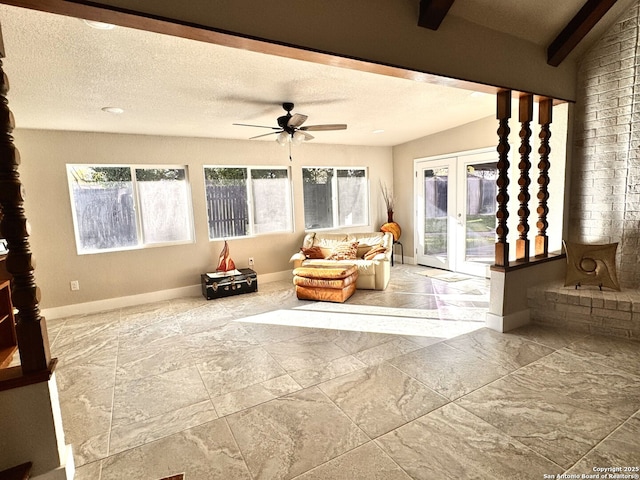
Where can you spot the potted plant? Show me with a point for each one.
(389, 201)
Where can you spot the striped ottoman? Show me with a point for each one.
(327, 283)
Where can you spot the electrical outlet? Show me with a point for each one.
(251, 261)
(75, 285)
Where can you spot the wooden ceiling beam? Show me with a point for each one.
(590, 13)
(432, 12)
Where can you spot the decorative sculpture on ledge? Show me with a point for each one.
(591, 265)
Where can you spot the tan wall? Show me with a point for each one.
(109, 275)
(475, 135)
(478, 135)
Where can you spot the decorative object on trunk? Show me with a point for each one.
(391, 226)
(225, 263)
(591, 265)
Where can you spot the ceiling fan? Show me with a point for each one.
(289, 129)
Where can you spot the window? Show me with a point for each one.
(335, 197)
(124, 207)
(247, 201)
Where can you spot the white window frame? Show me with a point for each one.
(250, 200)
(138, 211)
(334, 198)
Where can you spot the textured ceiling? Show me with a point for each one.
(538, 21)
(63, 72)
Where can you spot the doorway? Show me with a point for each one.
(456, 211)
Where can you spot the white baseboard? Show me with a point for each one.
(397, 259)
(505, 323)
(142, 298)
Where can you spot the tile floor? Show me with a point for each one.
(214, 390)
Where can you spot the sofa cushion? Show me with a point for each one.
(344, 251)
(326, 271)
(371, 239)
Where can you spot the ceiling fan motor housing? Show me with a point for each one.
(283, 121)
(291, 125)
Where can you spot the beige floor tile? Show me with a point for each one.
(505, 350)
(90, 471)
(229, 371)
(323, 372)
(449, 371)
(452, 443)
(380, 353)
(150, 397)
(134, 434)
(621, 449)
(562, 405)
(254, 395)
(616, 353)
(206, 452)
(553, 425)
(381, 398)
(587, 383)
(367, 462)
(304, 352)
(290, 435)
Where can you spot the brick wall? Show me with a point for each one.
(605, 179)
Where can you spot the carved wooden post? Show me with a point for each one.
(544, 119)
(31, 329)
(503, 114)
(525, 115)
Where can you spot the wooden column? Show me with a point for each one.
(525, 115)
(544, 119)
(503, 115)
(31, 330)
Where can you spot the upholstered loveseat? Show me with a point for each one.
(372, 254)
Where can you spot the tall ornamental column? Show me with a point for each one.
(31, 329)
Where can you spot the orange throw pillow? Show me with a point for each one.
(374, 251)
(312, 253)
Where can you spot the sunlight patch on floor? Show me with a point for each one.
(371, 321)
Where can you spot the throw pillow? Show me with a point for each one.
(313, 252)
(344, 251)
(374, 251)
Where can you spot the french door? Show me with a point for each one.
(456, 212)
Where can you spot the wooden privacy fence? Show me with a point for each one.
(227, 210)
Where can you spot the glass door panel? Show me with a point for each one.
(435, 200)
(456, 212)
(479, 226)
(436, 231)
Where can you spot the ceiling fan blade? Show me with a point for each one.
(296, 120)
(320, 128)
(265, 134)
(258, 126)
(307, 136)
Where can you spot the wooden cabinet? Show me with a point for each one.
(8, 341)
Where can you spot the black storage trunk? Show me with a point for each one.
(218, 286)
